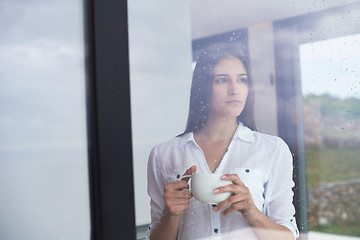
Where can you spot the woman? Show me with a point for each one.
(221, 137)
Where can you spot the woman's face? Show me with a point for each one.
(230, 88)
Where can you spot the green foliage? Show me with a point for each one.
(328, 105)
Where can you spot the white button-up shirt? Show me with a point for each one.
(264, 165)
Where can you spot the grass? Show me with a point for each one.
(329, 165)
(347, 230)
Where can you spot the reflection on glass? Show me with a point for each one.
(160, 64)
(331, 101)
(43, 152)
(160, 77)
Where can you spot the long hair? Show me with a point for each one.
(201, 89)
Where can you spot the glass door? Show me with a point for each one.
(330, 80)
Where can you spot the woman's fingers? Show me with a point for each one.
(189, 171)
(231, 200)
(178, 185)
(240, 199)
(234, 178)
(173, 198)
(176, 190)
(177, 201)
(176, 196)
(234, 189)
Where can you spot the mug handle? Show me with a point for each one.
(185, 176)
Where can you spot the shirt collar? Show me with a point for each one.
(187, 137)
(242, 132)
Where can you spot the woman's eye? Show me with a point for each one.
(221, 80)
(244, 80)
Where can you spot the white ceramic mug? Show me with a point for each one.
(203, 185)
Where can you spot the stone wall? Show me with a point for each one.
(337, 203)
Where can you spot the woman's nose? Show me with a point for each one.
(233, 88)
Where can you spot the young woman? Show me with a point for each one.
(221, 137)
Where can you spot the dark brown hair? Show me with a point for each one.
(201, 88)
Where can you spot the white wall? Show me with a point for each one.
(212, 17)
(262, 64)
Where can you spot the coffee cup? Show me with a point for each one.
(203, 185)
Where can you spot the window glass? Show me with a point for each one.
(160, 76)
(164, 43)
(43, 143)
(331, 103)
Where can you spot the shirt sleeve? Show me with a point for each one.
(155, 189)
(278, 204)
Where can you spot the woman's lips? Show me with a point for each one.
(233, 102)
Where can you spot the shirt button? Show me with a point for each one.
(178, 176)
(216, 230)
(247, 170)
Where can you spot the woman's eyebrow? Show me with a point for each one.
(221, 75)
(226, 75)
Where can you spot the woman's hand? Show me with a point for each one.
(240, 199)
(176, 200)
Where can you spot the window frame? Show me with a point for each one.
(109, 120)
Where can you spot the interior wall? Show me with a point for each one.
(261, 54)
